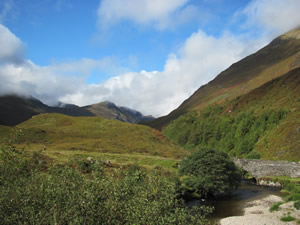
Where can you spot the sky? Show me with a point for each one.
(148, 55)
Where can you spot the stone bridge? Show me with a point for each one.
(267, 168)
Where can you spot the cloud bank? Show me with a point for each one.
(200, 58)
(273, 16)
(12, 49)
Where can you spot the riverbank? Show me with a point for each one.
(257, 212)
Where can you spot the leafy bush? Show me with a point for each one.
(85, 194)
(208, 173)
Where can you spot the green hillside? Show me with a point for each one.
(122, 143)
(272, 61)
(263, 123)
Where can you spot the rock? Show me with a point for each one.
(268, 168)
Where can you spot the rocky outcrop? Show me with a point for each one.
(268, 168)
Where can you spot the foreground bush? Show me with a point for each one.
(29, 194)
(208, 173)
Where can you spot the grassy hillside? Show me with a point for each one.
(122, 143)
(263, 123)
(274, 60)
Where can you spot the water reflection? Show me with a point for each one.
(234, 204)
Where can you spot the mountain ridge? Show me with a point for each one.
(16, 109)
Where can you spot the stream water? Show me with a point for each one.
(233, 205)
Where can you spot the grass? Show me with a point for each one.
(117, 160)
(121, 143)
(297, 205)
(287, 218)
(276, 206)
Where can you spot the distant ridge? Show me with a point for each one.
(109, 110)
(16, 109)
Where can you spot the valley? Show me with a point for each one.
(138, 164)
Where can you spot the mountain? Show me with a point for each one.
(272, 61)
(16, 109)
(264, 123)
(109, 110)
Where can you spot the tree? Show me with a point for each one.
(208, 173)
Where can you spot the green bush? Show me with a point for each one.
(85, 194)
(208, 173)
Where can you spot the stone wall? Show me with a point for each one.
(267, 168)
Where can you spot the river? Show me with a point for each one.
(233, 205)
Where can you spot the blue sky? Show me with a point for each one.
(149, 55)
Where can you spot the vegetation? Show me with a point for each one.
(297, 205)
(272, 61)
(85, 192)
(263, 123)
(287, 218)
(96, 134)
(291, 189)
(217, 128)
(208, 173)
(276, 206)
(66, 137)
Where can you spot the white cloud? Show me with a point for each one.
(21, 76)
(158, 92)
(144, 12)
(31, 80)
(200, 59)
(274, 16)
(11, 48)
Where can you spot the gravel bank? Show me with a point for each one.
(257, 213)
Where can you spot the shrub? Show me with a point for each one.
(208, 173)
(68, 194)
